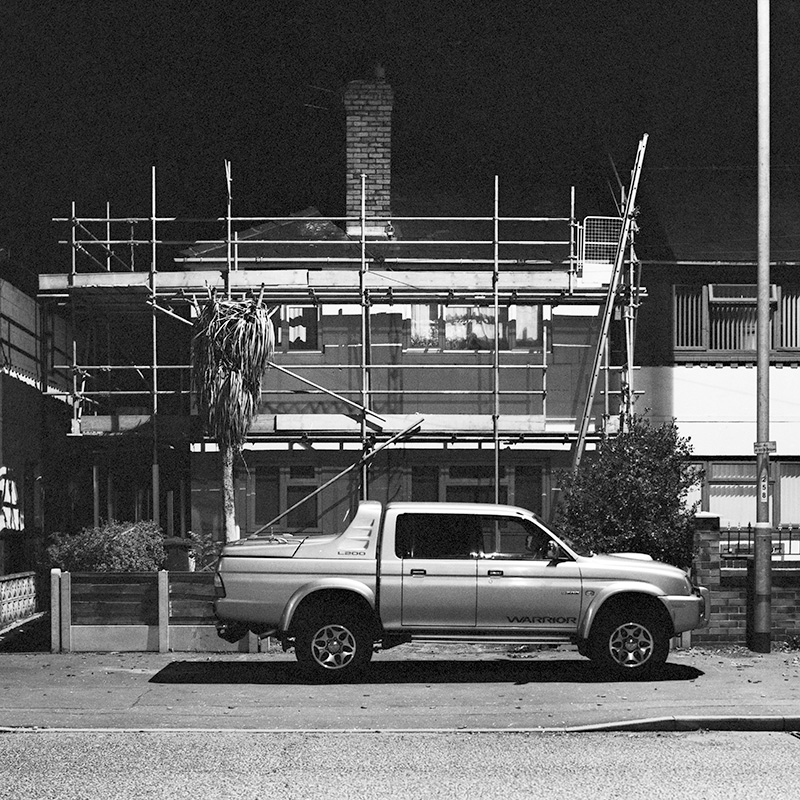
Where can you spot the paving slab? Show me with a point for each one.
(412, 687)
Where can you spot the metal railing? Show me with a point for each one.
(738, 543)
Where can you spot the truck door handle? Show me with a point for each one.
(495, 573)
(419, 572)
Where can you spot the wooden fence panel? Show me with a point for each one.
(115, 598)
(191, 598)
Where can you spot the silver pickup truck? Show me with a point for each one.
(451, 572)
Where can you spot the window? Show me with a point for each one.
(445, 327)
(471, 327)
(425, 484)
(721, 318)
(507, 538)
(469, 483)
(528, 488)
(732, 494)
(279, 488)
(268, 497)
(424, 326)
(297, 329)
(437, 536)
(474, 483)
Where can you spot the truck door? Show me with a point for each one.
(439, 555)
(521, 586)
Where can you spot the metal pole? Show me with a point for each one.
(762, 554)
(365, 345)
(156, 481)
(96, 492)
(108, 236)
(228, 228)
(496, 354)
(573, 251)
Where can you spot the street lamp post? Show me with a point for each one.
(762, 552)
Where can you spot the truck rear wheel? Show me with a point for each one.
(333, 645)
(629, 643)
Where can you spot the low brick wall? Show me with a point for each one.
(727, 580)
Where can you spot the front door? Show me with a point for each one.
(522, 587)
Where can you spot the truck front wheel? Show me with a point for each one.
(629, 643)
(333, 646)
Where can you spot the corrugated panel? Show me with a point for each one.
(790, 494)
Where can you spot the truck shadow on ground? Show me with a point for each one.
(522, 671)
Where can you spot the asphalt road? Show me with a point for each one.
(42, 765)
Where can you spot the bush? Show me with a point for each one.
(205, 549)
(113, 547)
(631, 495)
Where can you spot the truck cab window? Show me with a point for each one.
(437, 536)
(509, 538)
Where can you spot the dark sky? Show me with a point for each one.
(538, 92)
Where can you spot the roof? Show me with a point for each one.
(309, 237)
(712, 216)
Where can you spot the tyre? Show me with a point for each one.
(333, 646)
(629, 643)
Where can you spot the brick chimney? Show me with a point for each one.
(368, 106)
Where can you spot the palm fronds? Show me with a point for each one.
(232, 344)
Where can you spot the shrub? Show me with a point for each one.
(205, 549)
(112, 547)
(631, 495)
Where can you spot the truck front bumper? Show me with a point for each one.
(689, 612)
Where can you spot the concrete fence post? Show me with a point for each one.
(163, 611)
(55, 610)
(66, 612)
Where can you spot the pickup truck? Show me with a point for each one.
(450, 572)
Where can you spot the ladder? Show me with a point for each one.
(613, 286)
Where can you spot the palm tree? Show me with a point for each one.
(232, 346)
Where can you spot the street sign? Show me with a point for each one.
(764, 447)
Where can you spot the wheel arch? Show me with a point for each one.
(618, 597)
(325, 594)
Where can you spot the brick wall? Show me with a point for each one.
(727, 580)
(368, 104)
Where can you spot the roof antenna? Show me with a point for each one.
(620, 186)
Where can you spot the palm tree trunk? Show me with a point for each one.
(228, 494)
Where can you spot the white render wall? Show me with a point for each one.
(716, 406)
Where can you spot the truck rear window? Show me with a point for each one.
(437, 536)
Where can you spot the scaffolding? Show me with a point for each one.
(135, 282)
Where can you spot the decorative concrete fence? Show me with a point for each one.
(18, 598)
(144, 611)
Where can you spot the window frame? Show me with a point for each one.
(508, 329)
(693, 323)
(282, 326)
(286, 482)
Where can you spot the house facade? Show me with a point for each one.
(696, 344)
(417, 357)
(32, 425)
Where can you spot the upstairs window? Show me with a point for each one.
(432, 326)
(297, 329)
(722, 319)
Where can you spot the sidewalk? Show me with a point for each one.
(412, 687)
